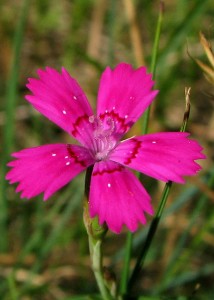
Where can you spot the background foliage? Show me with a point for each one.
(43, 245)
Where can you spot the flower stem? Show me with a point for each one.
(96, 234)
(95, 247)
(126, 266)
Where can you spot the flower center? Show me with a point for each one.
(103, 136)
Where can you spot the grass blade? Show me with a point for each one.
(8, 134)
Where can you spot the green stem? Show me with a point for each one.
(157, 40)
(95, 247)
(96, 234)
(126, 266)
(111, 32)
(150, 235)
(165, 194)
(154, 62)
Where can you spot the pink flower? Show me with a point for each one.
(116, 195)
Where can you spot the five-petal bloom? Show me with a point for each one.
(116, 195)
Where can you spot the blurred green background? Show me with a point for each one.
(43, 245)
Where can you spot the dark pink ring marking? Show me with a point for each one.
(134, 152)
(74, 156)
(77, 123)
(118, 168)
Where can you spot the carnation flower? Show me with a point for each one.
(116, 195)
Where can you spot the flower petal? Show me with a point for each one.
(124, 94)
(117, 197)
(47, 168)
(60, 98)
(164, 156)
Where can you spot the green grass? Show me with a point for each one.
(43, 245)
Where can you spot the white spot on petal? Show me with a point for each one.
(106, 110)
(74, 97)
(154, 142)
(109, 185)
(53, 154)
(68, 163)
(113, 107)
(66, 156)
(126, 116)
(64, 112)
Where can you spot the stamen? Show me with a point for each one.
(104, 140)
